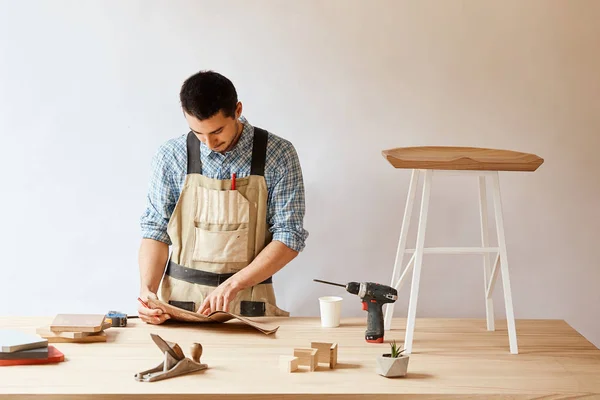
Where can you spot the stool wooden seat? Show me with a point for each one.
(444, 160)
(461, 158)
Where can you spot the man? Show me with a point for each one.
(229, 200)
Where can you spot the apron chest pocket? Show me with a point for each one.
(221, 246)
(221, 227)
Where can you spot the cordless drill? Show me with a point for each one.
(373, 297)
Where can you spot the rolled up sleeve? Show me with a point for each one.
(286, 207)
(160, 201)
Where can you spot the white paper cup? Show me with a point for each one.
(331, 309)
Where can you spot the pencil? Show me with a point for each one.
(143, 303)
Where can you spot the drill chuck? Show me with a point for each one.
(353, 287)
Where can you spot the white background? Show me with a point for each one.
(89, 90)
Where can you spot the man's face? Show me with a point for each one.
(218, 133)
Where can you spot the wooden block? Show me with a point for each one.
(54, 356)
(78, 323)
(307, 357)
(91, 338)
(323, 348)
(327, 353)
(42, 352)
(288, 363)
(46, 332)
(334, 355)
(13, 340)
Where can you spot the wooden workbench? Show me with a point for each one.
(453, 357)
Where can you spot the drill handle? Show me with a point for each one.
(375, 329)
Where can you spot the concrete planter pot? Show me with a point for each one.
(392, 367)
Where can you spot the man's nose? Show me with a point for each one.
(211, 142)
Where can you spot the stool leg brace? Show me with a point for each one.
(416, 260)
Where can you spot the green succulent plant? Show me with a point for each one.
(395, 350)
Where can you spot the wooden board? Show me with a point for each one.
(78, 323)
(54, 356)
(91, 338)
(288, 363)
(461, 158)
(452, 358)
(46, 332)
(327, 353)
(16, 340)
(41, 352)
(178, 314)
(307, 357)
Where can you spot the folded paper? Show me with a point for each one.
(179, 314)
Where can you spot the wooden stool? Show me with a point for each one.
(484, 163)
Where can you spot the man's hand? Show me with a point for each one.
(219, 299)
(270, 260)
(152, 259)
(151, 315)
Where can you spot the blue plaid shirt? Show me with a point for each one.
(283, 175)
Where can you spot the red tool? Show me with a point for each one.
(233, 181)
(143, 303)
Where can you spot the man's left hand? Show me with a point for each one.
(219, 299)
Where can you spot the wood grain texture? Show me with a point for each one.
(461, 158)
(453, 358)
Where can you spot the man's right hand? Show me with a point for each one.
(151, 315)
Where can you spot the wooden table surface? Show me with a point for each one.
(455, 357)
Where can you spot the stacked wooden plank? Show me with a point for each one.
(75, 328)
(20, 348)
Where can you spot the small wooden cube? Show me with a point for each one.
(288, 363)
(327, 353)
(307, 357)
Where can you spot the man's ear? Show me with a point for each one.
(238, 110)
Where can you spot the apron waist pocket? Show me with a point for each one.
(200, 277)
(252, 308)
(184, 305)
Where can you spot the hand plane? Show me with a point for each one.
(175, 363)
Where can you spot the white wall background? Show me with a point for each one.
(89, 90)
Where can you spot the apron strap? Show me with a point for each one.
(194, 163)
(259, 153)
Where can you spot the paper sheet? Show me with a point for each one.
(179, 314)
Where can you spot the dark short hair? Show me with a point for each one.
(206, 93)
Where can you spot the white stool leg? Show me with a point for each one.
(414, 289)
(410, 200)
(510, 317)
(485, 242)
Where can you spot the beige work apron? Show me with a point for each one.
(216, 231)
